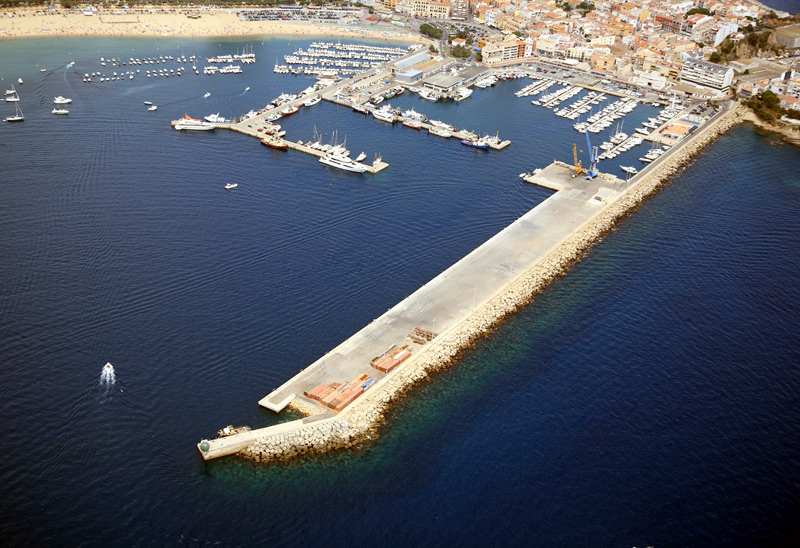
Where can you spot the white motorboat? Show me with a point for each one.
(61, 100)
(629, 170)
(215, 118)
(152, 107)
(247, 89)
(361, 157)
(384, 114)
(207, 95)
(462, 93)
(60, 111)
(313, 101)
(17, 117)
(440, 131)
(19, 80)
(230, 186)
(192, 124)
(148, 103)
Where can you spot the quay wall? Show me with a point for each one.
(362, 419)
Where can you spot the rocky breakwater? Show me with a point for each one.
(361, 420)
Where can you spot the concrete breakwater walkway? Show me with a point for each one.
(512, 267)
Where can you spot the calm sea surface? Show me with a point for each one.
(651, 397)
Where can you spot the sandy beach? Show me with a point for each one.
(174, 24)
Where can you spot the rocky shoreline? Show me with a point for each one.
(361, 420)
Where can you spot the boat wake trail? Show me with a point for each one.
(108, 377)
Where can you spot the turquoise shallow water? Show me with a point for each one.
(647, 398)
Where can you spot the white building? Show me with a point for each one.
(706, 75)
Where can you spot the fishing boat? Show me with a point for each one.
(60, 111)
(413, 124)
(384, 114)
(17, 117)
(61, 100)
(192, 124)
(288, 111)
(439, 131)
(476, 143)
(230, 186)
(275, 142)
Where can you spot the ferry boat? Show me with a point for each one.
(61, 100)
(341, 161)
(192, 124)
(230, 186)
(60, 111)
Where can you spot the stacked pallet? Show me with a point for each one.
(421, 336)
(337, 396)
(391, 359)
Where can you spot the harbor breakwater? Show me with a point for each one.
(362, 419)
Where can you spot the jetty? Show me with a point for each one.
(425, 331)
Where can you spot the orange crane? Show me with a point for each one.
(578, 167)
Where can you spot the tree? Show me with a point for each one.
(518, 33)
(469, 41)
(716, 57)
(432, 49)
(430, 30)
(704, 11)
(567, 8)
(478, 56)
(460, 52)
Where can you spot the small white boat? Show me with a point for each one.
(312, 102)
(247, 88)
(152, 107)
(215, 118)
(230, 186)
(19, 80)
(42, 70)
(207, 95)
(61, 100)
(629, 170)
(361, 157)
(148, 103)
(60, 111)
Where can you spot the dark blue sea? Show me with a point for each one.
(649, 398)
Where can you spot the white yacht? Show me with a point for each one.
(629, 170)
(60, 111)
(215, 118)
(230, 186)
(192, 124)
(152, 107)
(61, 100)
(384, 114)
(342, 161)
